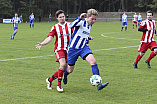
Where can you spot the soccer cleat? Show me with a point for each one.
(12, 38)
(59, 88)
(65, 80)
(101, 86)
(135, 66)
(148, 64)
(48, 84)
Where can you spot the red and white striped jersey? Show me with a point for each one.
(63, 35)
(148, 36)
(135, 17)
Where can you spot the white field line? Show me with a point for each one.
(115, 37)
(54, 55)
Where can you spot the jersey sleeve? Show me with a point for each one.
(142, 25)
(76, 22)
(52, 32)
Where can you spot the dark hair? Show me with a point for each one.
(59, 12)
(149, 11)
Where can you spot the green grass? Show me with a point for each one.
(23, 80)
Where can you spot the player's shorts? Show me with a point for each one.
(60, 54)
(15, 28)
(73, 54)
(124, 23)
(145, 46)
(134, 22)
(32, 21)
(139, 20)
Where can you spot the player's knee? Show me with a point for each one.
(63, 65)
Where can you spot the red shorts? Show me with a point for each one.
(144, 46)
(61, 54)
(134, 22)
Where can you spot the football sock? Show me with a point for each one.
(13, 34)
(60, 75)
(122, 28)
(152, 55)
(138, 58)
(30, 25)
(53, 77)
(95, 69)
(66, 73)
(33, 25)
(125, 28)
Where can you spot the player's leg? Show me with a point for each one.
(125, 28)
(13, 35)
(30, 23)
(61, 69)
(136, 24)
(72, 57)
(153, 54)
(95, 70)
(133, 24)
(142, 49)
(122, 26)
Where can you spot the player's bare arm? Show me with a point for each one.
(46, 41)
(83, 15)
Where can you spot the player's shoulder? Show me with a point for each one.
(153, 21)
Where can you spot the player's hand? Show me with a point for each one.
(83, 15)
(38, 46)
(92, 38)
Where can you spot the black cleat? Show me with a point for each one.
(101, 86)
(148, 64)
(135, 66)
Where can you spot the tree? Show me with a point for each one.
(5, 8)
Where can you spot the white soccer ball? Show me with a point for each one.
(95, 80)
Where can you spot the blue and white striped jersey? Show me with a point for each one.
(139, 17)
(80, 34)
(31, 17)
(124, 18)
(15, 21)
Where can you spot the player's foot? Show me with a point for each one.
(48, 84)
(12, 38)
(121, 30)
(59, 88)
(65, 80)
(135, 66)
(101, 86)
(148, 64)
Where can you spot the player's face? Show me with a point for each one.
(16, 15)
(91, 20)
(61, 18)
(149, 16)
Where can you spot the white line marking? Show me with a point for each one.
(54, 55)
(115, 37)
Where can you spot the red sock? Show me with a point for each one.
(152, 55)
(138, 58)
(60, 75)
(133, 25)
(55, 75)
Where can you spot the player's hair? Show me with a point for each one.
(59, 12)
(149, 11)
(92, 12)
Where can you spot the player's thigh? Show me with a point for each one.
(143, 47)
(60, 54)
(73, 55)
(90, 59)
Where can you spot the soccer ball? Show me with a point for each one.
(95, 80)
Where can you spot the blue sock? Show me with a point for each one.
(13, 34)
(122, 28)
(66, 73)
(95, 69)
(125, 28)
(32, 25)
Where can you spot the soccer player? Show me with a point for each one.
(139, 19)
(15, 20)
(134, 21)
(32, 18)
(62, 32)
(124, 21)
(78, 45)
(147, 42)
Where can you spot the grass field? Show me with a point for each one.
(23, 68)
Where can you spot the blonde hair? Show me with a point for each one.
(92, 12)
